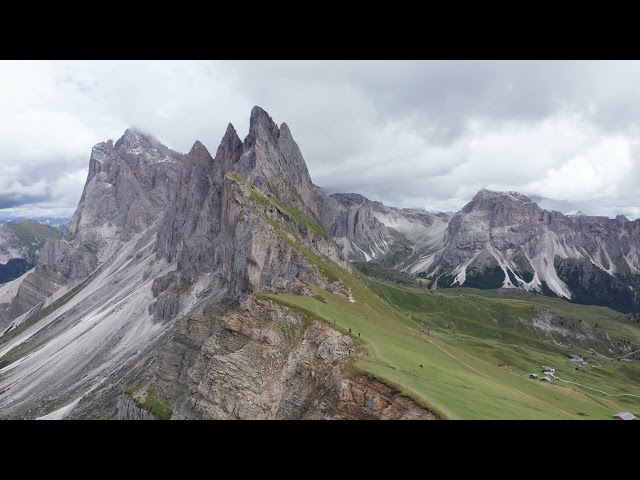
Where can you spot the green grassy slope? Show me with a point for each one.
(460, 377)
(459, 336)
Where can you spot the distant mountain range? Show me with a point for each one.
(498, 240)
(59, 222)
(20, 244)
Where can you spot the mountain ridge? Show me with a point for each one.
(196, 286)
(154, 241)
(535, 249)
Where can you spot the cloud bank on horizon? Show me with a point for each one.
(408, 133)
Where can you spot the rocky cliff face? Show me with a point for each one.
(244, 214)
(504, 239)
(142, 293)
(368, 230)
(129, 186)
(264, 361)
(349, 218)
(194, 220)
(264, 240)
(272, 161)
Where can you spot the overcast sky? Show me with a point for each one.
(409, 133)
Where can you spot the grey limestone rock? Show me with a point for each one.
(262, 361)
(586, 258)
(129, 186)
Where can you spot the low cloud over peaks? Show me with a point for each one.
(414, 133)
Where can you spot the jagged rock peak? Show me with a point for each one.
(486, 194)
(102, 150)
(100, 153)
(575, 213)
(134, 136)
(261, 126)
(622, 218)
(230, 132)
(198, 147)
(285, 132)
(259, 115)
(230, 142)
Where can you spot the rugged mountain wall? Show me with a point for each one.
(504, 239)
(129, 185)
(118, 311)
(272, 161)
(265, 361)
(194, 220)
(264, 240)
(349, 219)
(368, 230)
(243, 214)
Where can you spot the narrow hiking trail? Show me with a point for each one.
(601, 391)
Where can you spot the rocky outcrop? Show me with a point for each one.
(71, 263)
(363, 398)
(265, 361)
(34, 289)
(128, 410)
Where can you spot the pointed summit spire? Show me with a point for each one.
(258, 112)
(230, 136)
(229, 150)
(134, 136)
(261, 127)
(197, 148)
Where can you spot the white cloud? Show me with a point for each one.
(594, 173)
(407, 133)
